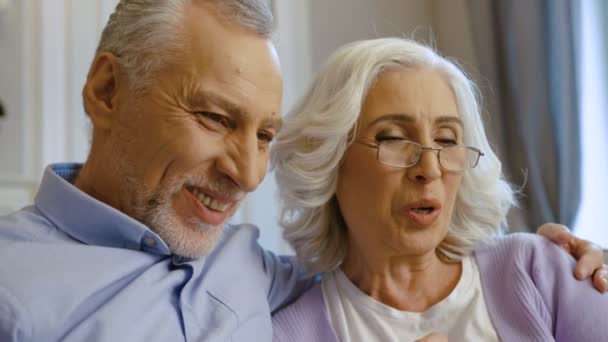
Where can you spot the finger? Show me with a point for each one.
(600, 279)
(589, 258)
(555, 232)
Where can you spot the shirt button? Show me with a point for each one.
(178, 260)
(150, 241)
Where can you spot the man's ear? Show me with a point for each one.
(100, 93)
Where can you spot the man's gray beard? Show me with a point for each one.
(156, 212)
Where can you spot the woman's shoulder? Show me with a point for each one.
(524, 254)
(528, 276)
(523, 251)
(303, 320)
(516, 244)
(310, 301)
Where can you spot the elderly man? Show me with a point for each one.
(184, 99)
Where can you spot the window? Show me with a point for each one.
(591, 222)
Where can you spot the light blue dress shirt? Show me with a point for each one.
(75, 269)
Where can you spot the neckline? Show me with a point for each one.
(359, 298)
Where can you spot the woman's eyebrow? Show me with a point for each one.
(449, 119)
(395, 117)
(407, 118)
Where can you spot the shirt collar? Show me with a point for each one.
(88, 220)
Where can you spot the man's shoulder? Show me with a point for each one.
(242, 230)
(15, 322)
(238, 256)
(42, 281)
(239, 247)
(40, 257)
(240, 239)
(27, 224)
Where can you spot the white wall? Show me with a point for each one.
(45, 49)
(11, 68)
(334, 23)
(18, 69)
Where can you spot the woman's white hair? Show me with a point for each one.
(148, 34)
(315, 135)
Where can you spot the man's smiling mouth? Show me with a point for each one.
(208, 201)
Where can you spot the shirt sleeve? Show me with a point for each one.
(578, 310)
(289, 279)
(13, 319)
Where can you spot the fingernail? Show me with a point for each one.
(604, 275)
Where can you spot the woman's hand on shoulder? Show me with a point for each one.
(589, 256)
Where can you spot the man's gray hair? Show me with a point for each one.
(147, 34)
(308, 150)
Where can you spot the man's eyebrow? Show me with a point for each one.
(273, 122)
(407, 118)
(206, 99)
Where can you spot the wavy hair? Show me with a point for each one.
(308, 150)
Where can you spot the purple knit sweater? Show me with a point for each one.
(528, 286)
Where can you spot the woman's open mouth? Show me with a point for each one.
(423, 212)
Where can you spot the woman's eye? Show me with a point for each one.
(381, 138)
(446, 142)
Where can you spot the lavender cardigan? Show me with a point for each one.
(528, 286)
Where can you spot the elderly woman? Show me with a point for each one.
(391, 190)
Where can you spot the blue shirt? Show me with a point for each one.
(75, 269)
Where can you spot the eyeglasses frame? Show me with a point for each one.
(422, 149)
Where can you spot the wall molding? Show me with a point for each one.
(31, 89)
(14, 182)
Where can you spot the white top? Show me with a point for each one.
(355, 316)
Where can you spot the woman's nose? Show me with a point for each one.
(427, 168)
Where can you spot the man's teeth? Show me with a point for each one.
(208, 201)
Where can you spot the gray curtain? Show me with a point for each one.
(527, 50)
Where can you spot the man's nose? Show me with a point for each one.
(244, 163)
